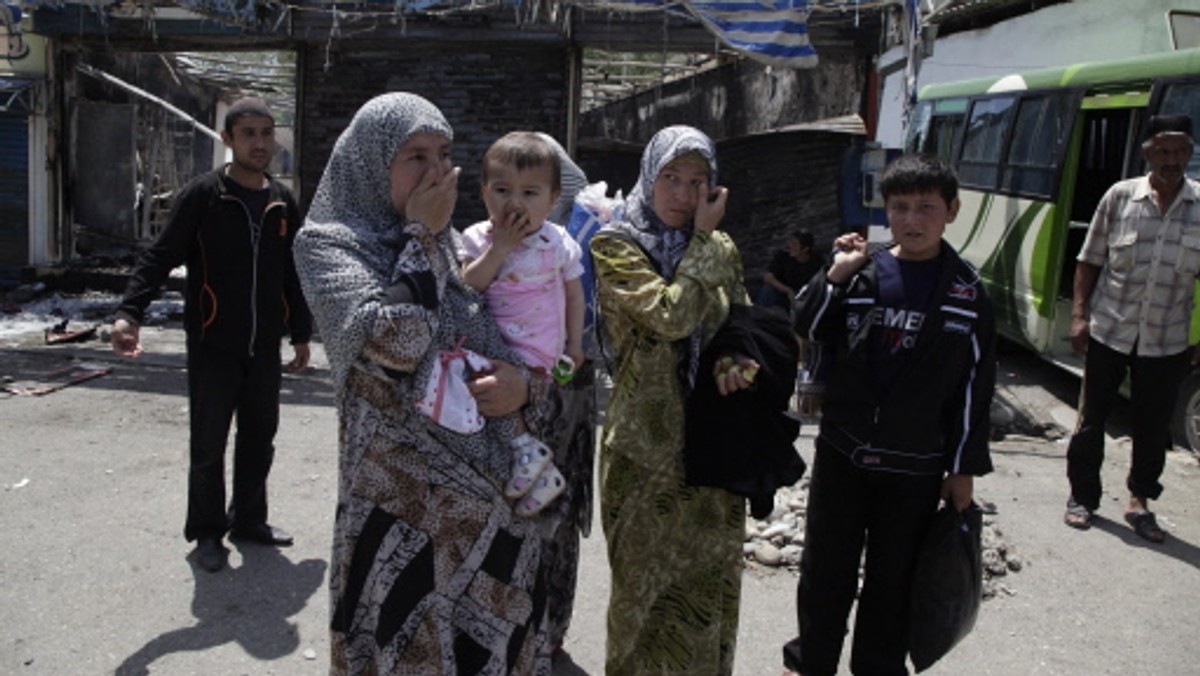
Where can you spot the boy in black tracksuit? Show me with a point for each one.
(234, 228)
(904, 419)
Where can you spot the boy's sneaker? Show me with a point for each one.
(530, 457)
(549, 485)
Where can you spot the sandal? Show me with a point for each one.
(549, 485)
(530, 456)
(1077, 515)
(1145, 525)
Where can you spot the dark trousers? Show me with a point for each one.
(221, 384)
(769, 296)
(847, 507)
(1154, 386)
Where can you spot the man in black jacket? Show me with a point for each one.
(234, 228)
(904, 421)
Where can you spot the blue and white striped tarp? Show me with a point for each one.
(774, 32)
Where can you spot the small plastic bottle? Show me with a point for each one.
(564, 370)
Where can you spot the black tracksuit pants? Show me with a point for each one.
(220, 385)
(847, 508)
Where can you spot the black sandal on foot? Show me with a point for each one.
(1077, 515)
(1145, 525)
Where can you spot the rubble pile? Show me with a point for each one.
(778, 541)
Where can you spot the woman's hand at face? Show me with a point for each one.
(710, 208)
(500, 392)
(432, 201)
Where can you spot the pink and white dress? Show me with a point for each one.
(528, 298)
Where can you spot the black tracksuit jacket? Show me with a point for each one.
(935, 417)
(242, 291)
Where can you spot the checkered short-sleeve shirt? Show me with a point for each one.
(1149, 265)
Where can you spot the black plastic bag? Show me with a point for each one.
(947, 585)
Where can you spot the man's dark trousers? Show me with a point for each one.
(220, 385)
(1154, 386)
(845, 505)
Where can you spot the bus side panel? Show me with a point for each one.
(1006, 239)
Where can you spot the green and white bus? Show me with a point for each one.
(1035, 152)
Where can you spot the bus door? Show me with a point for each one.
(1103, 151)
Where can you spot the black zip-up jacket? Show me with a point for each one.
(242, 291)
(935, 416)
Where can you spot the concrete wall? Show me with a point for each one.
(741, 98)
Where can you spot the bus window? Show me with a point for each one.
(979, 166)
(1184, 99)
(918, 128)
(1038, 136)
(943, 129)
(934, 126)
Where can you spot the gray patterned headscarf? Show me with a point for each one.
(351, 237)
(666, 245)
(572, 181)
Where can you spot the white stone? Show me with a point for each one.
(768, 554)
(791, 554)
(778, 528)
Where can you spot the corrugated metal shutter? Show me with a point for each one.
(14, 189)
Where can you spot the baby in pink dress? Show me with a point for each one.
(529, 270)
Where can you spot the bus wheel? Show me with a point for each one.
(1185, 424)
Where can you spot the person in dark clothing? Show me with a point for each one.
(233, 227)
(904, 422)
(789, 271)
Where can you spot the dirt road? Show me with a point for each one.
(95, 576)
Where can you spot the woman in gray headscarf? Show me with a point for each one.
(571, 181)
(666, 278)
(431, 572)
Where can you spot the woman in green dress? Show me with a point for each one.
(666, 278)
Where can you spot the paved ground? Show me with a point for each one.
(95, 577)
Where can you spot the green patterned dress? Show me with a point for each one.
(674, 550)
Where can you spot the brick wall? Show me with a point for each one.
(743, 97)
(780, 182)
(485, 90)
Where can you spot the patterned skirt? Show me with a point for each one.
(431, 573)
(675, 552)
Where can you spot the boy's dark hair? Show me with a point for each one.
(524, 150)
(916, 173)
(244, 107)
(804, 237)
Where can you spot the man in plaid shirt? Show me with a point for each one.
(1134, 283)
